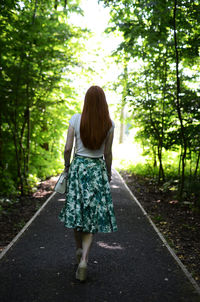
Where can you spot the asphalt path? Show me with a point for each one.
(131, 264)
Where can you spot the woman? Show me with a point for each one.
(88, 208)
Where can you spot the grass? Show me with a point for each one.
(129, 157)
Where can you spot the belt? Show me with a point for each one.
(77, 155)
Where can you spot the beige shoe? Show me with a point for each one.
(81, 273)
(79, 255)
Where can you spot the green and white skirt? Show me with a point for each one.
(88, 206)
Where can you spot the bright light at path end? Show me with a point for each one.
(98, 47)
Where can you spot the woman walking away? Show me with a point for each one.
(88, 208)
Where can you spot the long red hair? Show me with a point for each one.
(95, 118)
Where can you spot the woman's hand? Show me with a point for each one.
(109, 177)
(66, 169)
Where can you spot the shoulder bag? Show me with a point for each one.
(61, 184)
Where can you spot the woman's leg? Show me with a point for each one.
(86, 244)
(83, 241)
(78, 239)
(81, 272)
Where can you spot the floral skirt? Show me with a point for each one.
(88, 206)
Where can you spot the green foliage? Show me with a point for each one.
(161, 50)
(39, 49)
(32, 181)
(148, 170)
(8, 185)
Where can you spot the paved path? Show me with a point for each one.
(129, 265)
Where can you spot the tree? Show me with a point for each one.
(164, 36)
(38, 51)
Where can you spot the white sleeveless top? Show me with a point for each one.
(80, 149)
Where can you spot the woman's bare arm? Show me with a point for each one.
(68, 147)
(108, 153)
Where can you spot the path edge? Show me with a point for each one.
(14, 240)
(181, 265)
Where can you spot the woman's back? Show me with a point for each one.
(80, 149)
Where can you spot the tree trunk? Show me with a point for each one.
(121, 133)
(178, 105)
(28, 140)
(161, 170)
(159, 148)
(197, 164)
(154, 158)
(16, 138)
(161, 174)
(56, 4)
(34, 13)
(17, 152)
(124, 93)
(159, 137)
(1, 143)
(179, 164)
(27, 119)
(190, 157)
